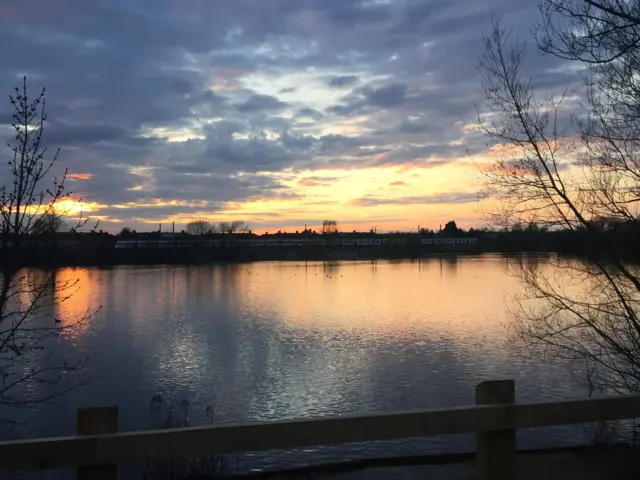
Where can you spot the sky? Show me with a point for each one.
(281, 113)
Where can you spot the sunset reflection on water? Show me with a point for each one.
(278, 340)
(74, 299)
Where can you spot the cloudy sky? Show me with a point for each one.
(277, 112)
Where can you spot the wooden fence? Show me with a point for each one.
(98, 447)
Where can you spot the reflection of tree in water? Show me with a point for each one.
(51, 291)
(33, 313)
(330, 266)
(526, 260)
(199, 282)
(449, 264)
(220, 282)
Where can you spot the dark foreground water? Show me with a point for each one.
(269, 341)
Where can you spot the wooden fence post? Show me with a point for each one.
(97, 421)
(496, 450)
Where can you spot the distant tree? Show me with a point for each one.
(329, 226)
(533, 227)
(199, 227)
(451, 228)
(602, 224)
(237, 226)
(125, 232)
(47, 224)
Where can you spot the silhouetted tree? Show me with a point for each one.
(236, 226)
(125, 232)
(530, 177)
(47, 224)
(451, 228)
(329, 226)
(533, 227)
(199, 227)
(29, 298)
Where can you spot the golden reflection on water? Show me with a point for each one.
(381, 296)
(75, 291)
(447, 297)
(284, 339)
(61, 298)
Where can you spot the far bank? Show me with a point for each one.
(96, 249)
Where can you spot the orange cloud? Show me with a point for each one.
(316, 181)
(80, 176)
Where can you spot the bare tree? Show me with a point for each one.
(595, 32)
(570, 177)
(329, 226)
(199, 227)
(236, 226)
(29, 298)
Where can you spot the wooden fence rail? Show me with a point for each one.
(494, 418)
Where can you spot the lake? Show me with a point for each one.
(279, 340)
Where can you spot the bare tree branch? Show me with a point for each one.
(30, 298)
(580, 179)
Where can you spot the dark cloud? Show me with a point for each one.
(215, 188)
(261, 103)
(62, 134)
(343, 81)
(6, 118)
(413, 126)
(354, 14)
(109, 185)
(392, 95)
(369, 98)
(307, 112)
(251, 155)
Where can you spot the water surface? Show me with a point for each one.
(280, 340)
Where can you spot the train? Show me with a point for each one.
(289, 242)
